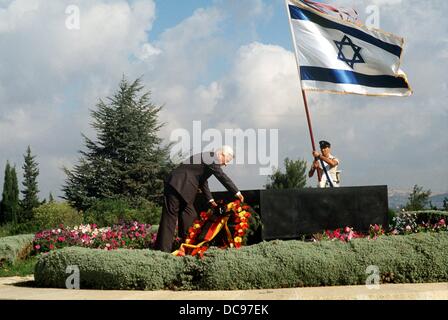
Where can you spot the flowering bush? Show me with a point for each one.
(127, 235)
(346, 234)
(418, 221)
(375, 231)
(405, 223)
(433, 227)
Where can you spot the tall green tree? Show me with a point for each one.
(10, 196)
(418, 199)
(15, 202)
(293, 178)
(4, 210)
(128, 158)
(30, 187)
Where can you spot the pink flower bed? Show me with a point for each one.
(127, 236)
(346, 234)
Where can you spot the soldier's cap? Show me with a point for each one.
(324, 144)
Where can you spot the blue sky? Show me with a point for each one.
(271, 27)
(228, 63)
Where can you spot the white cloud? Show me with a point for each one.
(51, 76)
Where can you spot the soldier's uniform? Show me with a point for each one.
(333, 172)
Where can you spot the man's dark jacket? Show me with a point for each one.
(192, 175)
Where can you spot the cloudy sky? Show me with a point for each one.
(227, 63)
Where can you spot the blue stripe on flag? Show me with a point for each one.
(350, 77)
(302, 14)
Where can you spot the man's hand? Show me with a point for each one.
(240, 196)
(316, 154)
(213, 204)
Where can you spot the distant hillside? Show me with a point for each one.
(398, 199)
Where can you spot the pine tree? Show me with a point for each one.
(293, 178)
(51, 198)
(30, 192)
(10, 195)
(128, 158)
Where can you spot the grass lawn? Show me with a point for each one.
(20, 268)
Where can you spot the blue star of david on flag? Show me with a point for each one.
(357, 58)
(337, 56)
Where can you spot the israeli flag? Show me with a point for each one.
(339, 56)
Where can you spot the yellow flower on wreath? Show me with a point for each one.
(238, 239)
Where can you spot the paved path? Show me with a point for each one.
(13, 288)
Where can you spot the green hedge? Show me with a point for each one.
(15, 247)
(14, 229)
(100, 269)
(414, 258)
(427, 215)
(400, 259)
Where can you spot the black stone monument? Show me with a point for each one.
(289, 214)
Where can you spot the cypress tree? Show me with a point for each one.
(10, 196)
(15, 202)
(127, 159)
(5, 203)
(30, 192)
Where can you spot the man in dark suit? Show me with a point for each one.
(181, 188)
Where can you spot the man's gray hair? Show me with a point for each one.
(226, 151)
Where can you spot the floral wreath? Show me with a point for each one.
(227, 229)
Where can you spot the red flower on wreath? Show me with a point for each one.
(238, 217)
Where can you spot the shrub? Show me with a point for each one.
(121, 269)
(414, 221)
(107, 212)
(15, 247)
(391, 214)
(400, 259)
(12, 229)
(53, 214)
(415, 258)
(429, 215)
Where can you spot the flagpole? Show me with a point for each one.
(308, 119)
(305, 101)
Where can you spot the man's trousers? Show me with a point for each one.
(175, 209)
